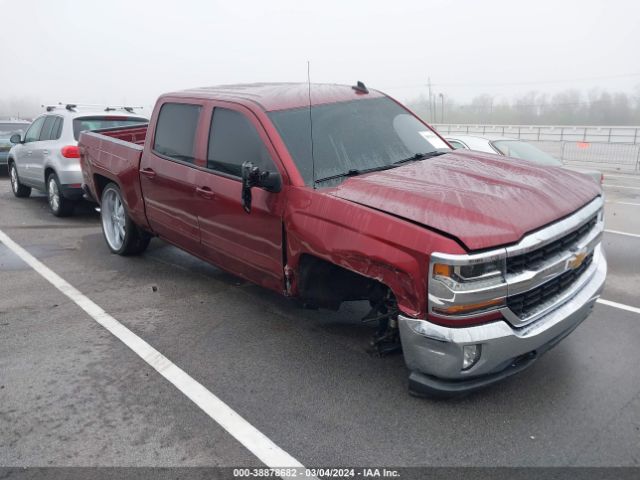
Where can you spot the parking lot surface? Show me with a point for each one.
(73, 394)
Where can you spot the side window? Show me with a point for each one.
(47, 127)
(456, 145)
(233, 140)
(56, 132)
(33, 134)
(176, 131)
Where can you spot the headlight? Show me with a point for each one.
(469, 276)
(462, 285)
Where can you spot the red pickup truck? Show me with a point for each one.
(473, 265)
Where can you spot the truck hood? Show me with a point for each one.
(483, 200)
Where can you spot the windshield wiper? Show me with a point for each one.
(353, 172)
(419, 156)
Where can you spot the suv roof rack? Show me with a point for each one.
(73, 106)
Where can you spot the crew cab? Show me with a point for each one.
(473, 264)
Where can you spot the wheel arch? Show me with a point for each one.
(100, 182)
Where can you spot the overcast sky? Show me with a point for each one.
(132, 50)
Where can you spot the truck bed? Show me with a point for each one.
(113, 155)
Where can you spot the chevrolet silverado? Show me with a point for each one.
(473, 264)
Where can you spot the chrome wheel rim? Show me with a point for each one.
(54, 195)
(113, 219)
(14, 178)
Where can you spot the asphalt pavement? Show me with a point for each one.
(73, 394)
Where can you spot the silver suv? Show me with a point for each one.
(47, 157)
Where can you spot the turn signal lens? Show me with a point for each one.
(472, 307)
(442, 270)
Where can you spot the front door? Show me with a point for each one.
(168, 176)
(246, 244)
(29, 154)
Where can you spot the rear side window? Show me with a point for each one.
(176, 131)
(96, 122)
(57, 129)
(33, 134)
(48, 128)
(233, 140)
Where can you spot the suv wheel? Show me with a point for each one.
(59, 205)
(122, 235)
(19, 190)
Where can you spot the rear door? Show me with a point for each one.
(247, 244)
(42, 148)
(168, 175)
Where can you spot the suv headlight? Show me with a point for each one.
(463, 285)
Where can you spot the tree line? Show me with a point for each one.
(569, 107)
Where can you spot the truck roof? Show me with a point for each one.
(278, 96)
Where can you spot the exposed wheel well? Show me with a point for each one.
(47, 172)
(100, 182)
(327, 285)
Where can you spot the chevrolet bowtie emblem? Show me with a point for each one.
(577, 259)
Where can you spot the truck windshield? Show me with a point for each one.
(97, 122)
(355, 136)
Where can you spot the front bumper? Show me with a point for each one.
(434, 353)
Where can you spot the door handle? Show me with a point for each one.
(205, 192)
(28, 152)
(148, 172)
(46, 152)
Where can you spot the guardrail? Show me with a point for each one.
(558, 133)
(602, 148)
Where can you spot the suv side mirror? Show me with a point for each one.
(15, 138)
(252, 176)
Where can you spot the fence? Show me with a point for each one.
(602, 148)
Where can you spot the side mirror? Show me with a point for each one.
(252, 176)
(15, 138)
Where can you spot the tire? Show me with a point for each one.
(19, 190)
(58, 204)
(123, 237)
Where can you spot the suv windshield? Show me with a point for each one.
(353, 137)
(81, 124)
(525, 151)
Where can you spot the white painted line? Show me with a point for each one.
(625, 203)
(621, 306)
(254, 440)
(619, 186)
(618, 232)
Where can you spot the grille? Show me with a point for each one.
(531, 260)
(526, 303)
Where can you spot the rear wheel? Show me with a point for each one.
(19, 190)
(59, 205)
(122, 235)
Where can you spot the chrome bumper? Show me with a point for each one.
(434, 353)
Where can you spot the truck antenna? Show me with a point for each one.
(313, 162)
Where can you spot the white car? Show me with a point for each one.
(512, 147)
(47, 158)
